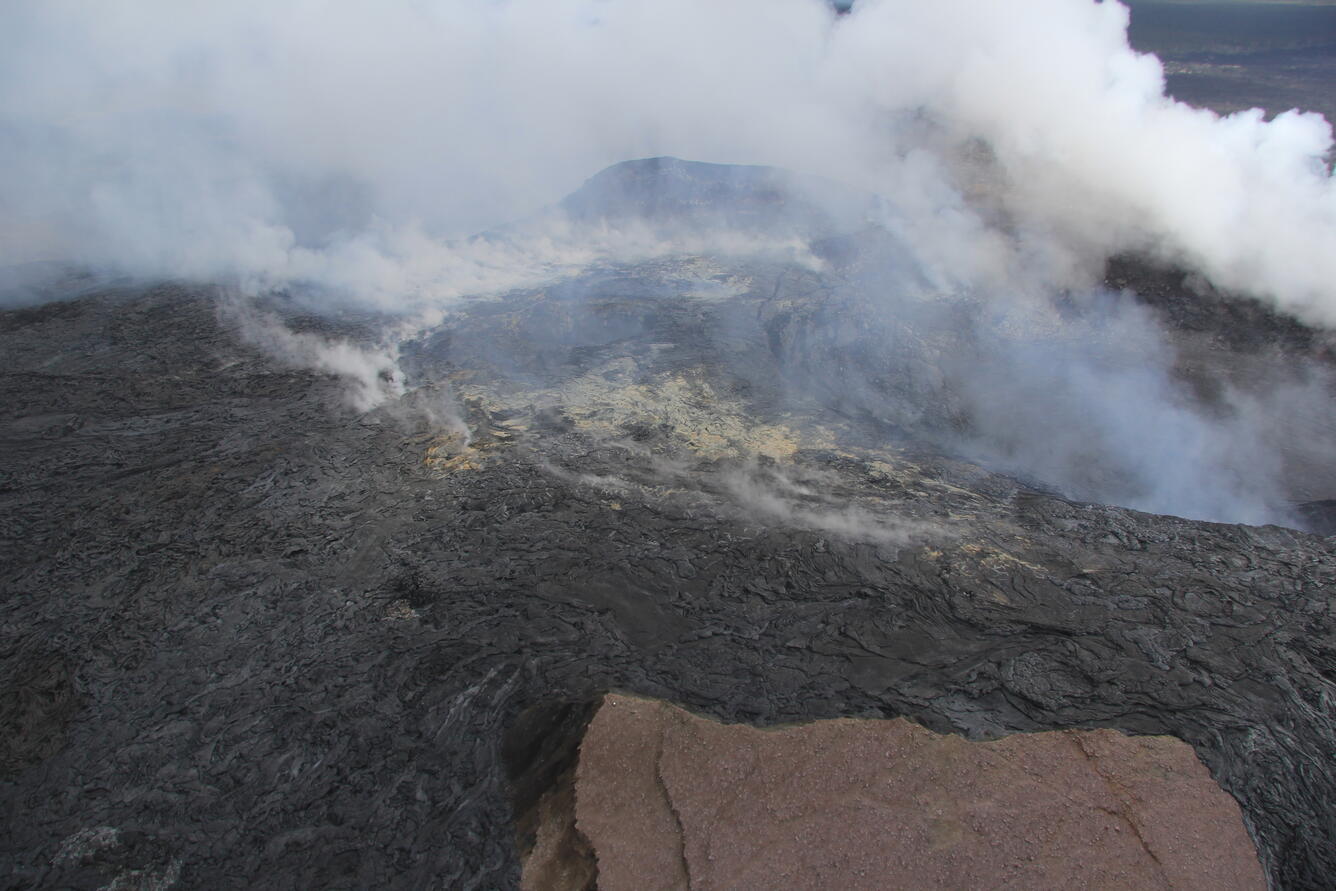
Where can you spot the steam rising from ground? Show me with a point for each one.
(372, 373)
(355, 150)
(775, 495)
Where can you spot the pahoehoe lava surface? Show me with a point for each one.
(252, 638)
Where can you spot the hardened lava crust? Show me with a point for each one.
(254, 637)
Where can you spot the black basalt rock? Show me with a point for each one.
(253, 638)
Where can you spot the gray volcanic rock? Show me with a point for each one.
(665, 799)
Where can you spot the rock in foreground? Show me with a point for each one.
(666, 799)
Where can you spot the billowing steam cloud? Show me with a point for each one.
(341, 142)
(355, 148)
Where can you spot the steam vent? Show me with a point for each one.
(625, 445)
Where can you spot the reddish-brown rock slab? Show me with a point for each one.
(666, 799)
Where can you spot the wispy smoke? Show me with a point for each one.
(1097, 412)
(372, 373)
(1084, 394)
(776, 496)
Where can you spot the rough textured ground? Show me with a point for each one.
(252, 637)
(665, 799)
(1232, 56)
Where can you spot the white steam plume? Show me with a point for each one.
(344, 144)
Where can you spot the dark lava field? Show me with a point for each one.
(254, 636)
(1232, 56)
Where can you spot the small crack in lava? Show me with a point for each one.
(672, 809)
(1125, 811)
